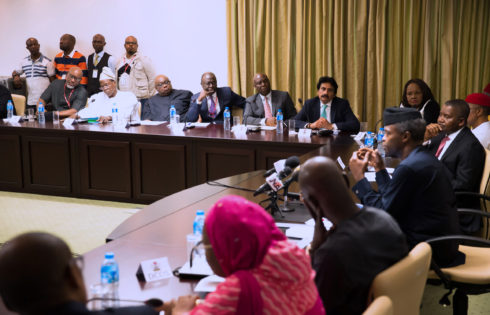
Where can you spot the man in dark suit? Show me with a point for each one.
(96, 62)
(211, 102)
(327, 110)
(462, 154)
(261, 108)
(158, 105)
(39, 275)
(418, 195)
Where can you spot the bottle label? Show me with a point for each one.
(227, 114)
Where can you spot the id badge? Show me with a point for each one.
(124, 81)
(94, 73)
(63, 77)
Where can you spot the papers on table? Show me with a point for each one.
(267, 127)
(151, 123)
(208, 284)
(200, 124)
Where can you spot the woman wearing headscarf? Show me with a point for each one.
(417, 94)
(264, 272)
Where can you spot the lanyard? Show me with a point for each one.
(69, 96)
(128, 63)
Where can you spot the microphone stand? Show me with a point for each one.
(285, 206)
(273, 207)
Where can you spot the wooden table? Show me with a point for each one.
(141, 164)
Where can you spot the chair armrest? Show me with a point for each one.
(472, 194)
(464, 239)
(474, 211)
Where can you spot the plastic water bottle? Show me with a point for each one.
(280, 121)
(109, 278)
(226, 117)
(115, 114)
(381, 134)
(40, 114)
(10, 109)
(198, 224)
(172, 113)
(369, 140)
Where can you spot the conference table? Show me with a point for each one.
(139, 164)
(145, 163)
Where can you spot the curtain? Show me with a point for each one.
(370, 47)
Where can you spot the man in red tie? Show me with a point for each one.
(261, 108)
(462, 154)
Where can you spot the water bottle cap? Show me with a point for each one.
(381, 129)
(368, 132)
(172, 105)
(9, 102)
(200, 212)
(226, 107)
(279, 110)
(109, 255)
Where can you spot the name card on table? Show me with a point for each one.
(304, 133)
(68, 122)
(154, 270)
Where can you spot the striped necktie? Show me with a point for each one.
(96, 62)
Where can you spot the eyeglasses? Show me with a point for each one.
(70, 77)
(199, 249)
(163, 83)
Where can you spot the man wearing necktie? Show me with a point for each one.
(96, 62)
(327, 110)
(210, 103)
(462, 154)
(261, 108)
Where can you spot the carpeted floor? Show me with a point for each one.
(84, 225)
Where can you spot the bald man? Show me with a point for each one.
(67, 96)
(135, 72)
(38, 275)
(96, 62)
(158, 106)
(261, 108)
(361, 243)
(38, 69)
(69, 58)
(210, 103)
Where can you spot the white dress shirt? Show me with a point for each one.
(482, 132)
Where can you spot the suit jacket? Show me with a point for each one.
(341, 114)
(157, 108)
(420, 198)
(226, 98)
(254, 108)
(464, 160)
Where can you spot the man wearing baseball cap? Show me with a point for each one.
(478, 118)
(419, 196)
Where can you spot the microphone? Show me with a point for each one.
(154, 302)
(268, 186)
(294, 178)
(291, 161)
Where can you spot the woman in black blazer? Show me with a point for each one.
(417, 94)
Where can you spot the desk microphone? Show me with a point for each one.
(291, 162)
(266, 186)
(294, 178)
(154, 302)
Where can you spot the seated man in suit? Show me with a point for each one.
(261, 108)
(39, 275)
(419, 195)
(368, 236)
(462, 154)
(158, 105)
(5, 96)
(67, 96)
(210, 103)
(327, 110)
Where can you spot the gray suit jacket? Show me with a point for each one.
(254, 108)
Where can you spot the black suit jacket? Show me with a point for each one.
(157, 108)
(464, 160)
(226, 98)
(254, 108)
(341, 114)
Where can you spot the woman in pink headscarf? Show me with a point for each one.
(264, 272)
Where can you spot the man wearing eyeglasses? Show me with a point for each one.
(158, 106)
(66, 96)
(135, 72)
(39, 275)
(100, 105)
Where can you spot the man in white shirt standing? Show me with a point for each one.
(478, 118)
(39, 71)
(100, 104)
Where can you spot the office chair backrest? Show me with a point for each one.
(484, 184)
(19, 103)
(380, 306)
(404, 282)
